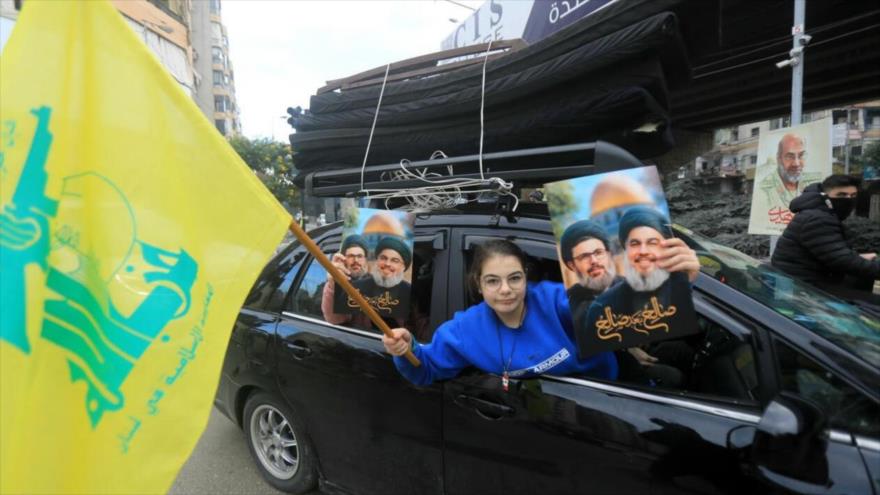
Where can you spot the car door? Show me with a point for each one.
(575, 435)
(847, 457)
(374, 431)
(844, 456)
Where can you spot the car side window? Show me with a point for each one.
(306, 298)
(723, 364)
(270, 287)
(846, 408)
(713, 363)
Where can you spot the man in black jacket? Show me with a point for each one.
(814, 246)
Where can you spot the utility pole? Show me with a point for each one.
(846, 144)
(796, 61)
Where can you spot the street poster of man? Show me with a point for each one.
(789, 160)
(611, 229)
(377, 247)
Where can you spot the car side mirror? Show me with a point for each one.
(790, 440)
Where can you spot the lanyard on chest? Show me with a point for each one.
(505, 365)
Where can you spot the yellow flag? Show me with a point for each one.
(130, 233)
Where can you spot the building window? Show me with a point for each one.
(175, 8)
(734, 135)
(217, 55)
(16, 4)
(218, 78)
(220, 124)
(856, 151)
(780, 123)
(754, 159)
(755, 131)
(216, 33)
(219, 103)
(215, 6)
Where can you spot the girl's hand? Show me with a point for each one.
(678, 257)
(399, 343)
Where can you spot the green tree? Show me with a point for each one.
(562, 205)
(871, 154)
(352, 218)
(273, 164)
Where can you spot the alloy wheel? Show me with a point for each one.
(274, 442)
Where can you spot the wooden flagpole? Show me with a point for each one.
(342, 281)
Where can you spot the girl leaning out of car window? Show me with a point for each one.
(519, 330)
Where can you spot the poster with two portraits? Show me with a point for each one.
(610, 229)
(377, 249)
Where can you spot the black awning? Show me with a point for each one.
(695, 64)
(603, 89)
(734, 46)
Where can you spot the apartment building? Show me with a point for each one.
(216, 93)
(188, 38)
(735, 150)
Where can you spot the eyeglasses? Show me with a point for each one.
(515, 281)
(598, 254)
(392, 260)
(354, 257)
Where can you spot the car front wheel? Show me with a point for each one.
(278, 442)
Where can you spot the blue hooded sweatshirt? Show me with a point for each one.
(544, 343)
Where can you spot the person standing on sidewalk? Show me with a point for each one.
(815, 246)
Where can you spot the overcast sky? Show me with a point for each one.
(283, 50)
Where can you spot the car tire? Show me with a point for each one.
(279, 444)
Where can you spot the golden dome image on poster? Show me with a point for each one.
(382, 223)
(616, 191)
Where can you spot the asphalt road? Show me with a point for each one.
(221, 464)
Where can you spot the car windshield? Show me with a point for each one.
(836, 320)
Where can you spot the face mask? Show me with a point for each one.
(842, 206)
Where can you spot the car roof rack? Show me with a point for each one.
(525, 167)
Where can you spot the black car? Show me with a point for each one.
(783, 394)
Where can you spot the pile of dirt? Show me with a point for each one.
(865, 234)
(724, 218)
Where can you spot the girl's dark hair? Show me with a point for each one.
(494, 247)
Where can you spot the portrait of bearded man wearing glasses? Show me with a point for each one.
(586, 251)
